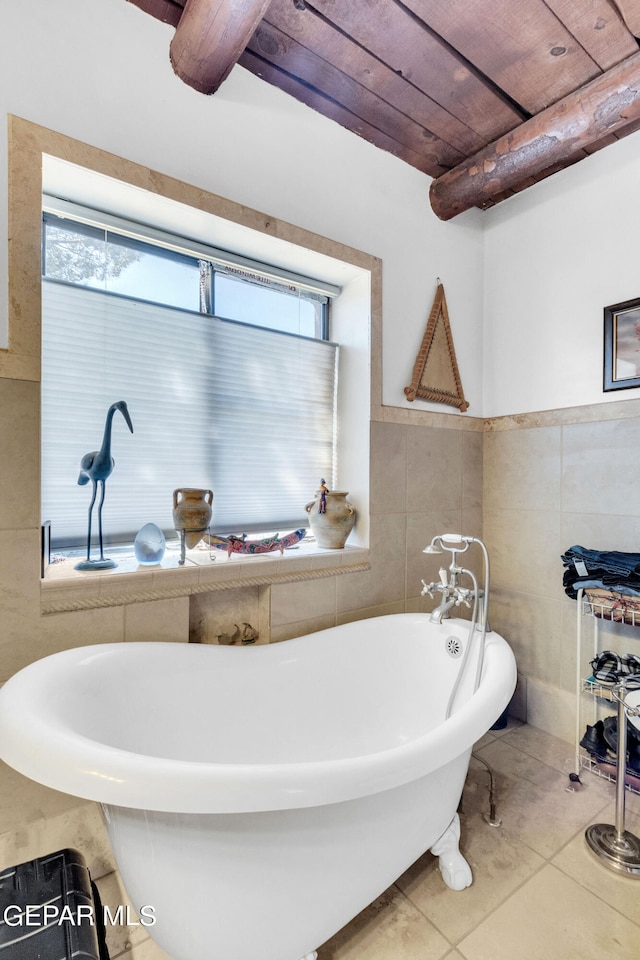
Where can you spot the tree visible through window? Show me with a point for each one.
(78, 256)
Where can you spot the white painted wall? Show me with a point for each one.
(555, 256)
(98, 71)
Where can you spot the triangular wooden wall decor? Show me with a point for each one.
(435, 373)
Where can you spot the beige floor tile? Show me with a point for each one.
(500, 863)
(491, 735)
(508, 761)
(534, 804)
(391, 927)
(549, 750)
(484, 740)
(512, 724)
(549, 769)
(620, 892)
(546, 822)
(552, 917)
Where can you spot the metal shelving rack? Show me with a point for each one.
(602, 692)
(613, 607)
(607, 771)
(612, 843)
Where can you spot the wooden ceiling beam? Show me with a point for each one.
(324, 40)
(210, 37)
(498, 38)
(389, 31)
(330, 108)
(385, 123)
(555, 137)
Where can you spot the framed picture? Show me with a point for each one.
(622, 345)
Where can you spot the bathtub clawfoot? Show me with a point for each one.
(455, 870)
(311, 956)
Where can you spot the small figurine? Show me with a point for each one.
(324, 490)
(97, 467)
(249, 634)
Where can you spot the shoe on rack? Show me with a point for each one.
(631, 667)
(610, 735)
(594, 742)
(610, 732)
(607, 667)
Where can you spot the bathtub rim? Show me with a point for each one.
(73, 763)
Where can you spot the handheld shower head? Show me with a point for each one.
(433, 548)
(452, 542)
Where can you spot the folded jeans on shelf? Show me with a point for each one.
(608, 570)
(610, 561)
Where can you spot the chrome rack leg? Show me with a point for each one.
(616, 847)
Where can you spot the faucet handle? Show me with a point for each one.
(427, 589)
(464, 595)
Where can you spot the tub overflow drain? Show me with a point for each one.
(454, 647)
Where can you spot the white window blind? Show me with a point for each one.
(246, 411)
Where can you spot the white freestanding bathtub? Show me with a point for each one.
(257, 798)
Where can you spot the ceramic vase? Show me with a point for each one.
(331, 518)
(192, 513)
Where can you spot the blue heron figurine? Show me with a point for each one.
(97, 467)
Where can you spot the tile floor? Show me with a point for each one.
(538, 892)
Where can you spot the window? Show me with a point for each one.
(225, 364)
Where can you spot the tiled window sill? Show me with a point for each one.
(66, 589)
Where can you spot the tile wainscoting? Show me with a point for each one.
(551, 480)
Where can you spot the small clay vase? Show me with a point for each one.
(331, 518)
(192, 513)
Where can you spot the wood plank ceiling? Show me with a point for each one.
(485, 96)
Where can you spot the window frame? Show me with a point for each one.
(94, 223)
(44, 160)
